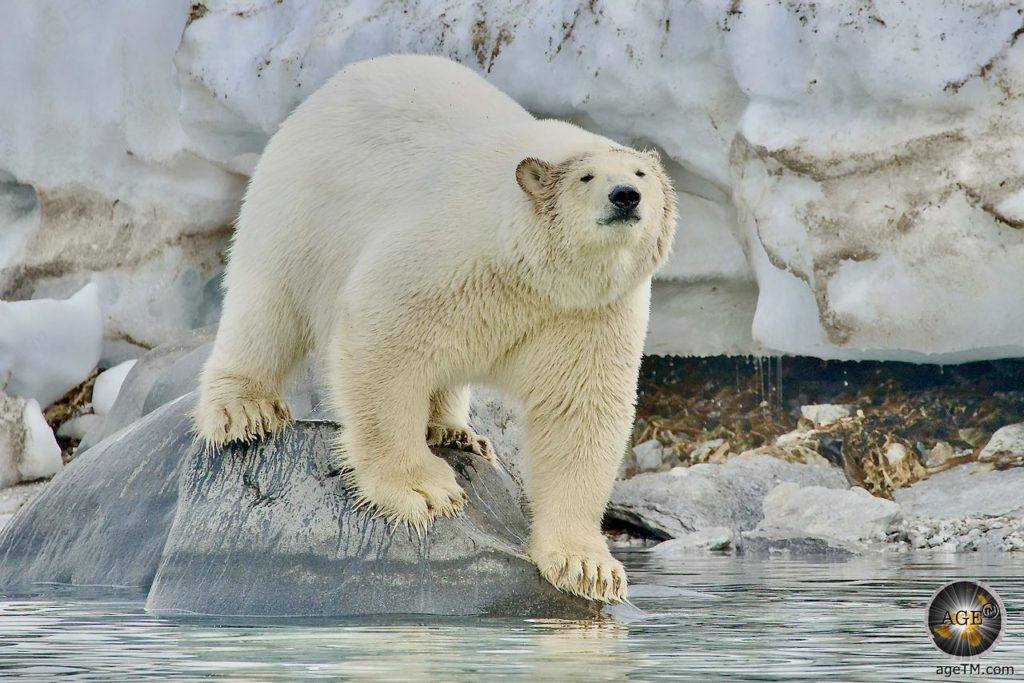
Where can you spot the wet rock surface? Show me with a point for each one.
(963, 491)
(969, 508)
(844, 518)
(687, 499)
(104, 519)
(266, 529)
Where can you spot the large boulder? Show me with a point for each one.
(104, 518)
(267, 529)
(684, 500)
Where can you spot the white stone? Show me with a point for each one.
(710, 538)
(1006, 444)
(825, 413)
(77, 427)
(650, 455)
(896, 452)
(108, 385)
(941, 453)
(850, 515)
(793, 437)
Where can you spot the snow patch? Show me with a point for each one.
(49, 346)
(861, 162)
(108, 386)
(41, 456)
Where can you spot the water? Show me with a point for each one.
(716, 617)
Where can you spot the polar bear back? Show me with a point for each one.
(399, 158)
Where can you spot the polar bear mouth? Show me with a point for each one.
(620, 218)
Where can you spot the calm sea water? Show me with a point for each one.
(705, 618)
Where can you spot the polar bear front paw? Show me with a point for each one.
(221, 418)
(461, 439)
(413, 497)
(591, 574)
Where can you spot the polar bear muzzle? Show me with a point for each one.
(624, 200)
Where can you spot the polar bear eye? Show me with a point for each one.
(587, 178)
(640, 174)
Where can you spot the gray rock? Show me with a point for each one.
(155, 372)
(492, 416)
(268, 530)
(651, 455)
(967, 534)
(965, 491)
(941, 453)
(1006, 447)
(705, 449)
(759, 543)
(687, 499)
(103, 520)
(965, 508)
(627, 466)
(843, 517)
(714, 538)
(13, 498)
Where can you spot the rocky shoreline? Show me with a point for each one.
(890, 463)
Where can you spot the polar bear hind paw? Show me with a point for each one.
(248, 418)
(414, 498)
(461, 439)
(597, 576)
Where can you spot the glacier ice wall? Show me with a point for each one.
(851, 174)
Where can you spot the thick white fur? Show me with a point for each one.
(391, 227)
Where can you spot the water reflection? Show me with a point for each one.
(709, 617)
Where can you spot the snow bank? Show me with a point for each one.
(28, 449)
(108, 386)
(40, 457)
(850, 174)
(878, 170)
(47, 346)
(96, 172)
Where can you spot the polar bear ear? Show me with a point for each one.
(532, 174)
(653, 155)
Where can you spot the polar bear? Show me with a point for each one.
(421, 231)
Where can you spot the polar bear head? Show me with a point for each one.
(606, 217)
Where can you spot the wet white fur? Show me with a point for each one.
(385, 229)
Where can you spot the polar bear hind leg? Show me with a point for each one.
(448, 426)
(240, 390)
(384, 406)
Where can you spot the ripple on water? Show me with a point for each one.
(710, 617)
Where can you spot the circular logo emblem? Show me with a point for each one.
(965, 618)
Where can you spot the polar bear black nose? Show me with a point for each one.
(624, 196)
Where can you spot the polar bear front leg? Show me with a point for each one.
(259, 343)
(580, 403)
(573, 451)
(383, 406)
(448, 426)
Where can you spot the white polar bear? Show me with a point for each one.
(421, 231)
